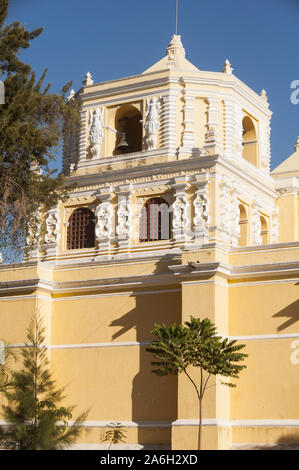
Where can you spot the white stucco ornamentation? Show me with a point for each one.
(235, 217)
(52, 227)
(265, 151)
(256, 225)
(225, 210)
(227, 68)
(275, 226)
(96, 129)
(124, 218)
(152, 122)
(201, 215)
(180, 220)
(201, 206)
(104, 214)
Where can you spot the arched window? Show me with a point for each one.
(128, 124)
(154, 221)
(243, 240)
(81, 229)
(250, 152)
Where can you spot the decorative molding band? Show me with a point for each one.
(146, 343)
(239, 423)
(192, 422)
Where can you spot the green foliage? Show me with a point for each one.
(178, 348)
(32, 121)
(35, 421)
(115, 435)
(7, 358)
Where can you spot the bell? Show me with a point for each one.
(123, 145)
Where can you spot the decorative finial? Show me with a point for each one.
(71, 95)
(175, 48)
(263, 95)
(88, 80)
(297, 145)
(227, 68)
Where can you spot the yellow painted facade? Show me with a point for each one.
(200, 141)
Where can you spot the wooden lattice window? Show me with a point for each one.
(154, 221)
(81, 229)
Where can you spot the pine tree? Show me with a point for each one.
(35, 419)
(32, 122)
(7, 358)
(178, 348)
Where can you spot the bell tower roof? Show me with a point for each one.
(175, 58)
(291, 164)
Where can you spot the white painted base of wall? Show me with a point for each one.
(118, 447)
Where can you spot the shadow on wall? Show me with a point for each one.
(291, 312)
(153, 398)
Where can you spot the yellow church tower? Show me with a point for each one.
(175, 213)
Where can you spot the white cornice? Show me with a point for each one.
(179, 274)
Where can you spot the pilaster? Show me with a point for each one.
(180, 208)
(124, 217)
(105, 221)
(169, 118)
(83, 135)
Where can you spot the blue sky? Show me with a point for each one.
(118, 38)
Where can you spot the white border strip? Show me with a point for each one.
(192, 422)
(146, 343)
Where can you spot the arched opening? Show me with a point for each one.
(264, 230)
(81, 229)
(154, 221)
(243, 240)
(129, 128)
(250, 146)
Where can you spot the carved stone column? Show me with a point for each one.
(124, 217)
(104, 224)
(201, 213)
(180, 210)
